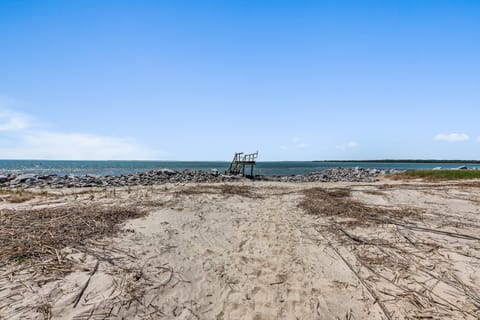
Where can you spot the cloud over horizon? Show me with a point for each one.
(348, 145)
(13, 121)
(296, 143)
(23, 139)
(451, 137)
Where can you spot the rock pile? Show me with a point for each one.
(153, 177)
(337, 174)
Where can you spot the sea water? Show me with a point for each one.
(270, 168)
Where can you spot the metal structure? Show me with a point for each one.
(240, 161)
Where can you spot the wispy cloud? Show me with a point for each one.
(73, 146)
(13, 121)
(302, 145)
(24, 139)
(295, 143)
(451, 137)
(348, 145)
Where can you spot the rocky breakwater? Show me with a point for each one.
(144, 179)
(29, 180)
(337, 174)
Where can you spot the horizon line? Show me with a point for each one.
(334, 160)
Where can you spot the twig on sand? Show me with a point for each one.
(370, 291)
(406, 237)
(79, 296)
(352, 237)
(418, 228)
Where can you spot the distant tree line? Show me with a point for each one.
(404, 161)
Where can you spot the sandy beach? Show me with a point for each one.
(244, 250)
(239, 160)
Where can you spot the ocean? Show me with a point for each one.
(269, 168)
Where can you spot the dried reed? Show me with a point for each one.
(43, 233)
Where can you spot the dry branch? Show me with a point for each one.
(444, 233)
(79, 296)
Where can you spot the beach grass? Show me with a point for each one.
(15, 195)
(437, 175)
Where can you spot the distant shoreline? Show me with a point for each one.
(401, 161)
(228, 161)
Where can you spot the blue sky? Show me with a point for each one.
(199, 80)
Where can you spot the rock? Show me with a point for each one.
(437, 168)
(3, 179)
(23, 177)
(167, 171)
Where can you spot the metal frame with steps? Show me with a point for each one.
(240, 161)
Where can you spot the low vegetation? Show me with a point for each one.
(15, 196)
(20, 197)
(223, 189)
(438, 175)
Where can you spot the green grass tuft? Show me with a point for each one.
(435, 175)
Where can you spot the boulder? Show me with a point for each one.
(214, 172)
(3, 179)
(23, 177)
(168, 171)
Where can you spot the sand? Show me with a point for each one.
(252, 250)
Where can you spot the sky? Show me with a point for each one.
(200, 80)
